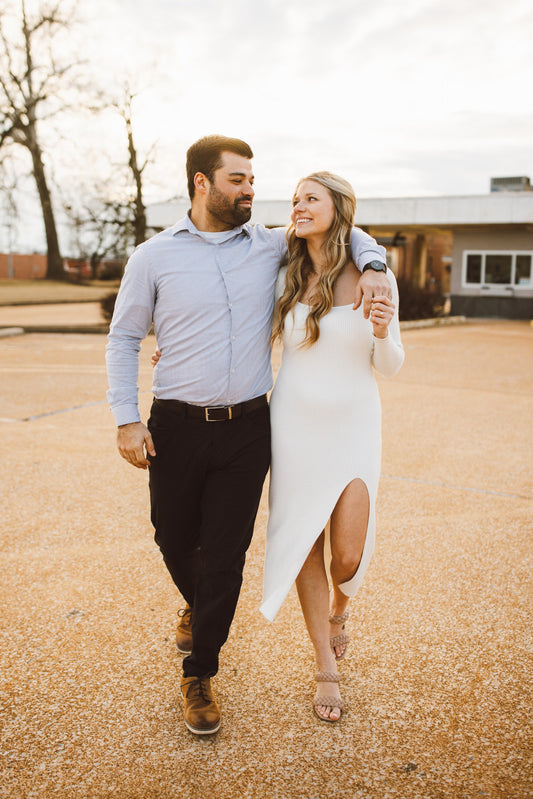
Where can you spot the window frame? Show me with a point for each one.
(495, 286)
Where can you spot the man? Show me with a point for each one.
(207, 283)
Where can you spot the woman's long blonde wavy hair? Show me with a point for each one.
(336, 249)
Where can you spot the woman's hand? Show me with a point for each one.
(381, 312)
(155, 358)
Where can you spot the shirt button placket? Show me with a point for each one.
(223, 273)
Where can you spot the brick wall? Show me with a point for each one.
(22, 267)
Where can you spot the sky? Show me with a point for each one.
(418, 98)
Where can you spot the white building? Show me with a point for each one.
(477, 249)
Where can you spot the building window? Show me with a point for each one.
(498, 269)
(522, 275)
(473, 268)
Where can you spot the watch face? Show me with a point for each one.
(377, 266)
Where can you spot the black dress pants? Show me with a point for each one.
(205, 485)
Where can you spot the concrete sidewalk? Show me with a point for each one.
(72, 317)
(438, 675)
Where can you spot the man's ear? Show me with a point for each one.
(201, 183)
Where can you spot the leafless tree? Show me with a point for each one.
(136, 168)
(31, 81)
(108, 224)
(9, 210)
(101, 228)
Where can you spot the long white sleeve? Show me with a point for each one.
(388, 354)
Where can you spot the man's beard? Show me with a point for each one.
(228, 211)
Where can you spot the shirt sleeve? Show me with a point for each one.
(388, 354)
(366, 249)
(278, 238)
(280, 283)
(132, 319)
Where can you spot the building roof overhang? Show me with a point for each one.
(505, 209)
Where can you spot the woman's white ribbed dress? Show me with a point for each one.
(326, 431)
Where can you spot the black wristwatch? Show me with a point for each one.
(377, 266)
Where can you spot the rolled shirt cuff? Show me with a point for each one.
(126, 414)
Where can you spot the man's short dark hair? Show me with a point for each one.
(205, 156)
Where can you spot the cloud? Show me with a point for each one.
(422, 97)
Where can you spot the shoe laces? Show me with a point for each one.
(200, 687)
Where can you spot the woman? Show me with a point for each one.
(326, 425)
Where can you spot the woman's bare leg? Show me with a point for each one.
(313, 591)
(348, 526)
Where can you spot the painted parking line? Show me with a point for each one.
(60, 410)
(437, 484)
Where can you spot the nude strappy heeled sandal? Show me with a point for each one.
(342, 638)
(327, 701)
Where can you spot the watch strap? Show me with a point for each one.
(377, 266)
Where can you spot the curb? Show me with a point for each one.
(96, 328)
(11, 331)
(439, 321)
(33, 303)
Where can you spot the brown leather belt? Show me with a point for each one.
(214, 413)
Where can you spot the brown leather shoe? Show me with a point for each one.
(202, 714)
(184, 631)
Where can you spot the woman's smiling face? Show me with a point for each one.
(312, 210)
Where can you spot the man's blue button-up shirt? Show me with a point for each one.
(211, 303)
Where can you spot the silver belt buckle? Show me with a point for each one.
(219, 408)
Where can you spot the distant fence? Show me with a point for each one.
(22, 267)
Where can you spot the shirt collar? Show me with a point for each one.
(185, 224)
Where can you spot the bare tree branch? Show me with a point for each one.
(125, 109)
(31, 78)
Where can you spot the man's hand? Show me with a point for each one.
(131, 442)
(371, 284)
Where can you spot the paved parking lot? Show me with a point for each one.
(438, 676)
